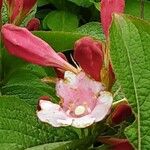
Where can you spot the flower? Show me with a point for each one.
(108, 7)
(91, 51)
(83, 102)
(19, 9)
(33, 49)
(116, 143)
(33, 24)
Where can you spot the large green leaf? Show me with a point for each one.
(60, 21)
(68, 145)
(61, 41)
(129, 41)
(133, 7)
(93, 29)
(20, 129)
(26, 83)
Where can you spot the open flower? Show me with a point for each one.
(83, 102)
(83, 97)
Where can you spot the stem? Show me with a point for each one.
(142, 9)
(82, 133)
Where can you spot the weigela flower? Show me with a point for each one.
(19, 9)
(83, 102)
(83, 99)
(116, 143)
(83, 94)
(33, 24)
(108, 7)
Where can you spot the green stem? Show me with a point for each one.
(142, 9)
(82, 133)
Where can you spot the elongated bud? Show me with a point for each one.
(33, 24)
(88, 53)
(22, 43)
(14, 9)
(116, 143)
(108, 7)
(18, 10)
(28, 5)
(59, 73)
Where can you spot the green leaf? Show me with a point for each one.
(57, 39)
(68, 145)
(134, 8)
(83, 3)
(20, 129)
(129, 41)
(93, 29)
(26, 83)
(60, 21)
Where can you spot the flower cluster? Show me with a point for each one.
(83, 90)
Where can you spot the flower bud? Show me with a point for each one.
(88, 53)
(108, 7)
(22, 43)
(33, 24)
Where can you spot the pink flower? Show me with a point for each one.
(89, 54)
(22, 43)
(1, 4)
(108, 7)
(18, 9)
(83, 99)
(83, 102)
(33, 24)
(116, 143)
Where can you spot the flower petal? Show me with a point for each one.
(53, 114)
(22, 43)
(108, 7)
(83, 122)
(103, 106)
(88, 53)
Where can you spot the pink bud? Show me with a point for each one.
(88, 53)
(59, 73)
(28, 5)
(22, 43)
(18, 9)
(1, 4)
(115, 143)
(14, 9)
(122, 112)
(108, 7)
(33, 24)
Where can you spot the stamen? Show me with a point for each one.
(80, 110)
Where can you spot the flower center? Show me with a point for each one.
(80, 110)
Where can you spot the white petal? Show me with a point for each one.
(54, 115)
(83, 122)
(102, 107)
(70, 77)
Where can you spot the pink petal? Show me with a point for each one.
(33, 24)
(22, 43)
(14, 9)
(83, 122)
(102, 107)
(78, 89)
(88, 53)
(53, 114)
(28, 5)
(108, 7)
